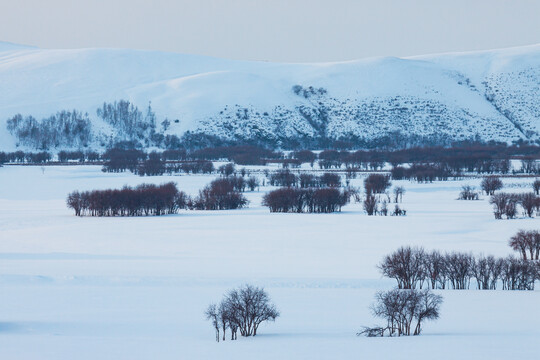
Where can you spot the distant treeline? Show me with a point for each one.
(420, 164)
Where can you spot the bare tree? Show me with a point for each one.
(528, 202)
(211, 314)
(399, 191)
(406, 265)
(526, 241)
(371, 203)
(490, 184)
(468, 193)
(377, 183)
(435, 269)
(536, 186)
(403, 309)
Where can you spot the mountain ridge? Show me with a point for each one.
(485, 95)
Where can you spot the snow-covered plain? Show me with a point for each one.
(136, 288)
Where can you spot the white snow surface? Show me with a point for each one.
(490, 94)
(136, 288)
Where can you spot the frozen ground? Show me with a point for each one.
(136, 288)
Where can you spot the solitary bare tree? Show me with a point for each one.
(490, 184)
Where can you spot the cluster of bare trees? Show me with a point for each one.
(311, 200)
(526, 243)
(65, 128)
(325, 180)
(149, 199)
(377, 204)
(145, 199)
(241, 310)
(289, 179)
(404, 311)
(377, 183)
(468, 193)
(413, 268)
(506, 204)
(191, 167)
(490, 184)
(221, 194)
(422, 172)
(129, 120)
(120, 160)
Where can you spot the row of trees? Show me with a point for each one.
(149, 199)
(289, 179)
(241, 310)
(466, 157)
(220, 194)
(145, 199)
(422, 173)
(506, 204)
(414, 267)
(311, 200)
(25, 157)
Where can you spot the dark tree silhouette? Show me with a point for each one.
(490, 184)
(243, 309)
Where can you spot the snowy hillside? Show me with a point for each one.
(491, 95)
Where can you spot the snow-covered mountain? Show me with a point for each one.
(487, 95)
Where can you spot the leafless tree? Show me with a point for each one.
(536, 186)
(243, 309)
(435, 269)
(399, 191)
(468, 193)
(252, 183)
(459, 268)
(211, 314)
(526, 242)
(251, 306)
(490, 184)
(371, 203)
(406, 265)
(404, 311)
(377, 183)
(528, 202)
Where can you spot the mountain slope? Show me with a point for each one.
(490, 95)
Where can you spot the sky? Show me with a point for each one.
(274, 30)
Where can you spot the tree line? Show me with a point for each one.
(150, 199)
(414, 268)
(145, 199)
(310, 200)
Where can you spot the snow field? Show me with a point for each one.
(136, 288)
